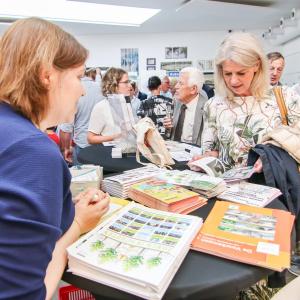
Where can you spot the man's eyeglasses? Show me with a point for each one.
(125, 82)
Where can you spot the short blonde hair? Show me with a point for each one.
(111, 79)
(28, 47)
(244, 49)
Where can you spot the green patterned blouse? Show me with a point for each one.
(233, 127)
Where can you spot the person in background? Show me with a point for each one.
(140, 95)
(135, 102)
(38, 220)
(77, 131)
(102, 127)
(187, 121)
(51, 132)
(157, 106)
(276, 67)
(173, 83)
(209, 91)
(165, 87)
(91, 73)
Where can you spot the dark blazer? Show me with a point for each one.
(198, 120)
(208, 90)
(142, 96)
(280, 170)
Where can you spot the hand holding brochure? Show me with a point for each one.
(139, 250)
(210, 165)
(215, 168)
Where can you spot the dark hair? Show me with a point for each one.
(274, 56)
(153, 83)
(91, 72)
(133, 84)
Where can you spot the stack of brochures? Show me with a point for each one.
(118, 185)
(249, 193)
(156, 193)
(253, 235)
(138, 250)
(203, 184)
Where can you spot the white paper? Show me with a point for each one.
(268, 248)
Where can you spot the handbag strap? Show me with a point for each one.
(277, 90)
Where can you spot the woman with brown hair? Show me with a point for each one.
(102, 127)
(41, 66)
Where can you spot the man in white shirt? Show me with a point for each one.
(165, 87)
(187, 123)
(79, 128)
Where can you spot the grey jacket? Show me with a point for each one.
(198, 120)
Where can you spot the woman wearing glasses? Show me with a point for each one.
(102, 127)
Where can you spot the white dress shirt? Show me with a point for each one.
(187, 130)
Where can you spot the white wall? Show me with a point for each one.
(105, 49)
(291, 52)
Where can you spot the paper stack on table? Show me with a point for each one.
(118, 185)
(159, 194)
(138, 251)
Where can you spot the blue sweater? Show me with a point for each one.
(35, 205)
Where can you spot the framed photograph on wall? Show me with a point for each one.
(179, 52)
(130, 59)
(151, 68)
(168, 52)
(151, 61)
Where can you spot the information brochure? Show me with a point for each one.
(253, 235)
(139, 250)
(249, 193)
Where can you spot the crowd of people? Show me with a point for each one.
(42, 89)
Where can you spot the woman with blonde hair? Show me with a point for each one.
(41, 67)
(102, 127)
(244, 109)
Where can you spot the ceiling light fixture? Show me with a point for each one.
(74, 11)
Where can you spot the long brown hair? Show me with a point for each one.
(27, 48)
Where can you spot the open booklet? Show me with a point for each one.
(249, 193)
(138, 250)
(203, 184)
(212, 166)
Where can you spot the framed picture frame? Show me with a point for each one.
(151, 61)
(151, 68)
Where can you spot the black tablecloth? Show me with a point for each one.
(200, 277)
(101, 155)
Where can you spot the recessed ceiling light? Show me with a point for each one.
(74, 11)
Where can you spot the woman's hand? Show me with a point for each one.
(90, 206)
(258, 166)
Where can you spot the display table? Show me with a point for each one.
(200, 277)
(101, 155)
